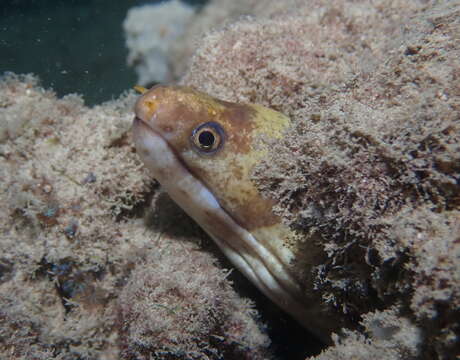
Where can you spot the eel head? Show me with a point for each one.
(202, 151)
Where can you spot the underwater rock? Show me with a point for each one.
(185, 312)
(371, 164)
(151, 31)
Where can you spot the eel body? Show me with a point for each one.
(202, 151)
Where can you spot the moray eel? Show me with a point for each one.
(202, 151)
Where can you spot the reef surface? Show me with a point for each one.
(96, 263)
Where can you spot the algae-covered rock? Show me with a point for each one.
(151, 30)
(371, 164)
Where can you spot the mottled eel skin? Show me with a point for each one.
(202, 151)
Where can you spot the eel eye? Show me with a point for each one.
(208, 137)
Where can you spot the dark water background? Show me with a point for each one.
(74, 46)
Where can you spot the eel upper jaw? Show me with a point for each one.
(239, 245)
